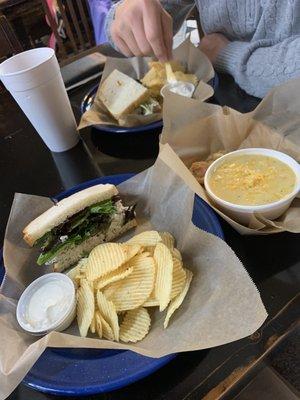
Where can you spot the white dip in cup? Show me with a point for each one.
(185, 89)
(47, 304)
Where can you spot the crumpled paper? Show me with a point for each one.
(196, 130)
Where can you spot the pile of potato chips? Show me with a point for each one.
(156, 77)
(119, 281)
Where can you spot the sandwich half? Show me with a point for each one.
(71, 228)
(121, 94)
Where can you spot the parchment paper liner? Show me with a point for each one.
(195, 130)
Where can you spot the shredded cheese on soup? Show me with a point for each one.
(252, 180)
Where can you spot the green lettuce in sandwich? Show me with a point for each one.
(71, 228)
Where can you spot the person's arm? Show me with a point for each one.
(146, 27)
(259, 66)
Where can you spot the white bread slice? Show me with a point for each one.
(65, 209)
(72, 255)
(121, 94)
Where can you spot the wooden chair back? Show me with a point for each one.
(9, 43)
(77, 24)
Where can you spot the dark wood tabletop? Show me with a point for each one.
(262, 366)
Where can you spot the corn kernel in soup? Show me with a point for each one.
(252, 179)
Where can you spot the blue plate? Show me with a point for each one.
(79, 372)
(89, 99)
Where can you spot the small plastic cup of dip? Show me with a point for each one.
(47, 304)
(185, 89)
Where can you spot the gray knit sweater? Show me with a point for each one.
(264, 34)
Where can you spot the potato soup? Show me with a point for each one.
(252, 179)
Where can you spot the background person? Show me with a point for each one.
(257, 42)
(98, 11)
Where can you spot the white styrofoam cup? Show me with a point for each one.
(34, 79)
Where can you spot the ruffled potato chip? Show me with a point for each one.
(176, 253)
(98, 324)
(133, 291)
(93, 324)
(151, 301)
(77, 272)
(108, 312)
(178, 279)
(103, 259)
(85, 307)
(177, 301)
(149, 250)
(131, 250)
(113, 276)
(167, 239)
(107, 331)
(164, 274)
(135, 325)
(147, 238)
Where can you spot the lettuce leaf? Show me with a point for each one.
(49, 255)
(75, 223)
(150, 107)
(95, 219)
(104, 207)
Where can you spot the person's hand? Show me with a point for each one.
(143, 28)
(212, 44)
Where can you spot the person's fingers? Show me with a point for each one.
(154, 32)
(129, 38)
(143, 28)
(119, 42)
(140, 36)
(167, 24)
(122, 46)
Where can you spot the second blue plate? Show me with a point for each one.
(89, 99)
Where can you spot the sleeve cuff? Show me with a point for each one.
(108, 22)
(229, 59)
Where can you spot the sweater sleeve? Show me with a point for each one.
(259, 66)
(178, 9)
